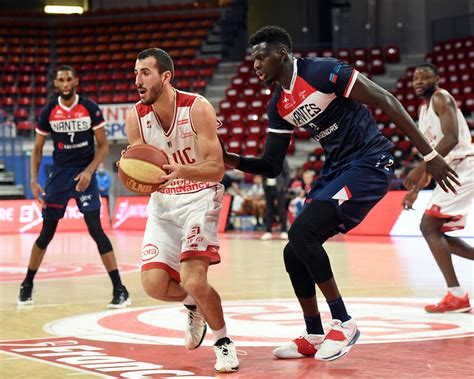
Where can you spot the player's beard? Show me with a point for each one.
(427, 92)
(155, 93)
(67, 97)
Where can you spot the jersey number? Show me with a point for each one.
(388, 165)
(72, 136)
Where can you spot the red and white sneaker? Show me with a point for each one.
(450, 303)
(301, 347)
(338, 341)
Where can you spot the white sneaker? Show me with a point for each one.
(304, 346)
(226, 357)
(284, 235)
(195, 329)
(338, 341)
(266, 236)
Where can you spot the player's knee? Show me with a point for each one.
(96, 231)
(194, 283)
(428, 227)
(290, 259)
(156, 284)
(47, 233)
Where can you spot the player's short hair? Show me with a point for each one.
(430, 66)
(64, 67)
(271, 34)
(162, 59)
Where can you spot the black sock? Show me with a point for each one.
(338, 310)
(115, 277)
(314, 325)
(222, 341)
(30, 275)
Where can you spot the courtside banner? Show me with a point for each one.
(389, 218)
(130, 213)
(115, 115)
(24, 216)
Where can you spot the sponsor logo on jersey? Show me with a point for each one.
(73, 125)
(305, 113)
(318, 137)
(63, 146)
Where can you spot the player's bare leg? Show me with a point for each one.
(442, 248)
(159, 285)
(194, 280)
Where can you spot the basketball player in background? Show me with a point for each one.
(73, 122)
(443, 124)
(180, 240)
(324, 96)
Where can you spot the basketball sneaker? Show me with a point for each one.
(226, 355)
(450, 303)
(304, 346)
(266, 236)
(121, 298)
(195, 328)
(338, 341)
(24, 295)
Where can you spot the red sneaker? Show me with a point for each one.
(450, 303)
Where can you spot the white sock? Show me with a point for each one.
(188, 300)
(457, 291)
(221, 333)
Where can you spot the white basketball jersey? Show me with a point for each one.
(430, 126)
(179, 142)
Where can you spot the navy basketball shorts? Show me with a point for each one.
(61, 186)
(355, 188)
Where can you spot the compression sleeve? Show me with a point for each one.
(271, 163)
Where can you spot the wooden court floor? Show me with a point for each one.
(385, 281)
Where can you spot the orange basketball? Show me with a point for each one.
(140, 168)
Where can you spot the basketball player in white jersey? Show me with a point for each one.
(180, 240)
(443, 124)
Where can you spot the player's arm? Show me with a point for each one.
(84, 178)
(445, 107)
(367, 92)
(35, 161)
(132, 129)
(212, 168)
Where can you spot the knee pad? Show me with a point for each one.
(92, 220)
(47, 233)
(301, 279)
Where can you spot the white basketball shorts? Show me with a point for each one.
(180, 227)
(454, 208)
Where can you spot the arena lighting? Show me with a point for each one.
(63, 9)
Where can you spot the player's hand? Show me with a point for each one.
(83, 181)
(443, 174)
(173, 172)
(231, 160)
(413, 177)
(38, 193)
(409, 199)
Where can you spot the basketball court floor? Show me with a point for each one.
(70, 333)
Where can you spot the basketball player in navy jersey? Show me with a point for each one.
(324, 96)
(73, 122)
(443, 124)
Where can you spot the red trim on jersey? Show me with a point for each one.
(140, 126)
(211, 252)
(288, 102)
(349, 83)
(162, 266)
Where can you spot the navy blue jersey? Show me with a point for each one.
(72, 129)
(318, 102)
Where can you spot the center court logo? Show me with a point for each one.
(268, 323)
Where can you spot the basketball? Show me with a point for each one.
(140, 168)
